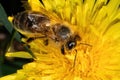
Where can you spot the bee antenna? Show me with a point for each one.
(75, 58)
(76, 52)
(85, 44)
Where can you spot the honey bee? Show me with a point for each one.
(38, 24)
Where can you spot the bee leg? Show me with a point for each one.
(19, 46)
(33, 38)
(30, 39)
(46, 42)
(62, 49)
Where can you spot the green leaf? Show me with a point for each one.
(4, 20)
(7, 24)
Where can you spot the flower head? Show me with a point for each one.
(95, 57)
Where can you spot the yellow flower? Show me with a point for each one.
(98, 24)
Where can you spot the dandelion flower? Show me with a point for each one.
(97, 22)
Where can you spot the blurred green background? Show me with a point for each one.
(9, 65)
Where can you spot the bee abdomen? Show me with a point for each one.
(20, 20)
(31, 21)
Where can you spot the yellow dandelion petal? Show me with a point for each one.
(97, 54)
(35, 5)
(20, 54)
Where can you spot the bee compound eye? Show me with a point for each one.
(71, 45)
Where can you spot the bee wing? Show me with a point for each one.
(29, 34)
(36, 5)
